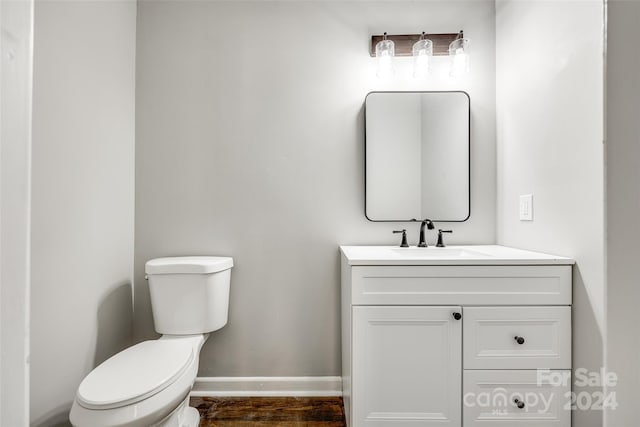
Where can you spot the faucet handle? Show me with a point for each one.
(440, 243)
(404, 243)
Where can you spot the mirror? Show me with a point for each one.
(417, 147)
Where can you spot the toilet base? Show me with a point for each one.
(191, 417)
(183, 416)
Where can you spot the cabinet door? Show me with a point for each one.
(407, 366)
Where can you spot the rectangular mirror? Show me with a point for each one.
(417, 149)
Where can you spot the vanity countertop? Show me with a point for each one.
(450, 255)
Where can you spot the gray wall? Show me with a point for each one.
(623, 210)
(249, 143)
(16, 38)
(83, 195)
(550, 131)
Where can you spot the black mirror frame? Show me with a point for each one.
(365, 158)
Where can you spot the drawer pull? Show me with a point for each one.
(519, 403)
(457, 315)
(519, 340)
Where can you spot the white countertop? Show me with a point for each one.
(450, 255)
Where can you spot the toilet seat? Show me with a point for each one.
(135, 374)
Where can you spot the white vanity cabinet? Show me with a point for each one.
(455, 337)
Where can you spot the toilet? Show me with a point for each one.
(149, 384)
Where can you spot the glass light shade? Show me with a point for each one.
(422, 53)
(459, 56)
(385, 51)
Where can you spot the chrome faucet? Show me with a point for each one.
(423, 242)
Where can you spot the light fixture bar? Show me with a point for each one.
(404, 43)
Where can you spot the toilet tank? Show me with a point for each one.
(189, 295)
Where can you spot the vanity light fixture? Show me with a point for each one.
(385, 51)
(459, 56)
(422, 52)
(422, 47)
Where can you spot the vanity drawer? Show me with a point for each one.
(489, 399)
(461, 285)
(517, 337)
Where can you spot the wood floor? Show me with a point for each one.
(270, 411)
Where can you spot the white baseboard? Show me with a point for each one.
(267, 386)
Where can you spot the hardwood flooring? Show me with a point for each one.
(269, 411)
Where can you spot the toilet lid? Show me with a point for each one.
(135, 374)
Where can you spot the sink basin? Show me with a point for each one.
(440, 253)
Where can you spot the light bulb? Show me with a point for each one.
(422, 52)
(385, 51)
(459, 54)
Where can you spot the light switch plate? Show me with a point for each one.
(526, 207)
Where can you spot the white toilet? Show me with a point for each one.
(149, 384)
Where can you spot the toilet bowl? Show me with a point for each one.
(149, 383)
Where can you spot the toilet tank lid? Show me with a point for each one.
(188, 265)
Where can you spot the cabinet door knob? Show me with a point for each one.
(519, 403)
(519, 340)
(457, 315)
